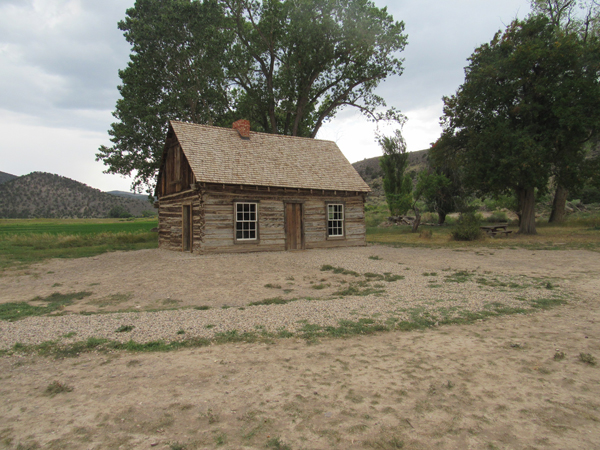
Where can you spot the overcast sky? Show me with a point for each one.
(58, 79)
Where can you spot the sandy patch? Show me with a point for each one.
(492, 384)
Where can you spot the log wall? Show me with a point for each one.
(213, 218)
(170, 221)
(175, 174)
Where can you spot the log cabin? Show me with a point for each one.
(234, 190)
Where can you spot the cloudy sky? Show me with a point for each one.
(58, 79)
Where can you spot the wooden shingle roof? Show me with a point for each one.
(220, 155)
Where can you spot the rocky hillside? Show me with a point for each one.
(370, 171)
(47, 195)
(4, 177)
(369, 168)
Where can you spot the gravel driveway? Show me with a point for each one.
(173, 296)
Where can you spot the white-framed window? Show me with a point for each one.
(335, 220)
(246, 221)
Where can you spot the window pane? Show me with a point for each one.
(335, 219)
(246, 217)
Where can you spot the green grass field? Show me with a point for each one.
(75, 226)
(26, 241)
(581, 232)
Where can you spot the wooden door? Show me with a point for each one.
(293, 226)
(187, 228)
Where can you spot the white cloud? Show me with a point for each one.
(422, 128)
(70, 152)
(356, 137)
(59, 62)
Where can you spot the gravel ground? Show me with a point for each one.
(426, 290)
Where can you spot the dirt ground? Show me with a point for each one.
(494, 384)
(155, 279)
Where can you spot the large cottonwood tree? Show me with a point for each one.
(583, 18)
(286, 65)
(530, 98)
(397, 184)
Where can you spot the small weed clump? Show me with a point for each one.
(276, 444)
(273, 286)
(391, 443)
(339, 270)
(271, 301)
(125, 329)
(461, 276)
(56, 387)
(587, 358)
(375, 258)
(202, 307)
(354, 289)
(221, 439)
(19, 310)
(559, 356)
(391, 278)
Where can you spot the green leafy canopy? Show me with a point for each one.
(530, 99)
(288, 66)
(397, 185)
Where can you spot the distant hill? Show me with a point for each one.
(369, 169)
(4, 177)
(47, 195)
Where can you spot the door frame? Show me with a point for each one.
(285, 222)
(187, 227)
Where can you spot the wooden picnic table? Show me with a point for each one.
(493, 230)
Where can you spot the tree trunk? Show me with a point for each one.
(417, 221)
(527, 210)
(558, 205)
(441, 218)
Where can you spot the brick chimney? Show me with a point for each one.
(243, 127)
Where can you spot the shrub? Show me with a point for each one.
(497, 216)
(467, 228)
(118, 211)
(426, 234)
(375, 214)
(429, 217)
(589, 194)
